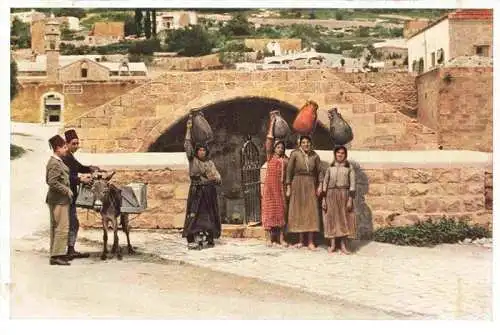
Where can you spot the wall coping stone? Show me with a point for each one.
(372, 159)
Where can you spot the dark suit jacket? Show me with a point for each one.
(74, 169)
(57, 177)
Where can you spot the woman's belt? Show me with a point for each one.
(338, 187)
(304, 174)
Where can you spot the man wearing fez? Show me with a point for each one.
(78, 173)
(59, 197)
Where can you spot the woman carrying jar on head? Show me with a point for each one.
(273, 197)
(302, 180)
(202, 210)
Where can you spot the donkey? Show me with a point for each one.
(108, 201)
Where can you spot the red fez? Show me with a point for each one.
(70, 135)
(56, 142)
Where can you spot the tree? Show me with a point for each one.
(13, 80)
(147, 24)
(153, 11)
(364, 32)
(20, 34)
(237, 26)
(76, 12)
(190, 41)
(138, 22)
(66, 34)
(130, 26)
(339, 16)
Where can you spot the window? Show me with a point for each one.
(483, 50)
(84, 70)
(433, 59)
(420, 65)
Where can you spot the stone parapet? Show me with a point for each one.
(393, 188)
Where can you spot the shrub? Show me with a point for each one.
(16, 151)
(429, 233)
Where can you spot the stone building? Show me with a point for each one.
(389, 49)
(27, 17)
(465, 32)
(278, 47)
(57, 82)
(413, 26)
(103, 33)
(37, 28)
(175, 20)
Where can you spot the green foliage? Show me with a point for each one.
(146, 47)
(429, 233)
(147, 24)
(363, 32)
(190, 41)
(339, 15)
(130, 26)
(13, 79)
(238, 26)
(16, 151)
(138, 21)
(325, 47)
(268, 32)
(66, 34)
(20, 34)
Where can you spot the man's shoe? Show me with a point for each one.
(58, 261)
(72, 254)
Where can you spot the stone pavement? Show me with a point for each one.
(444, 282)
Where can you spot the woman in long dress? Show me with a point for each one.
(202, 210)
(339, 189)
(273, 198)
(303, 188)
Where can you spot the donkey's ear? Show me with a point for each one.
(109, 176)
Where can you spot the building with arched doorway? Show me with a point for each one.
(52, 106)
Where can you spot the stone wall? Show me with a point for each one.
(428, 99)
(393, 188)
(135, 120)
(465, 35)
(26, 107)
(73, 72)
(460, 101)
(395, 88)
(187, 63)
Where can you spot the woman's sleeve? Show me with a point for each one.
(290, 168)
(352, 181)
(326, 180)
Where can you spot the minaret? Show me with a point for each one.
(52, 41)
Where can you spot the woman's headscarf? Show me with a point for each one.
(337, 148)
(198, 146)
(279, 141)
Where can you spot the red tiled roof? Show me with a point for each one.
(471, 14)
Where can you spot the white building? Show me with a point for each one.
(27, 17)
(464, 32)
(175, 20)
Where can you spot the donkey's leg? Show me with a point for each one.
(126, 230)
(116, 244)
(104, 237)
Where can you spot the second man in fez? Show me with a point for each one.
(78, 173)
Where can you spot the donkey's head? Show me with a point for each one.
(101, 188)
